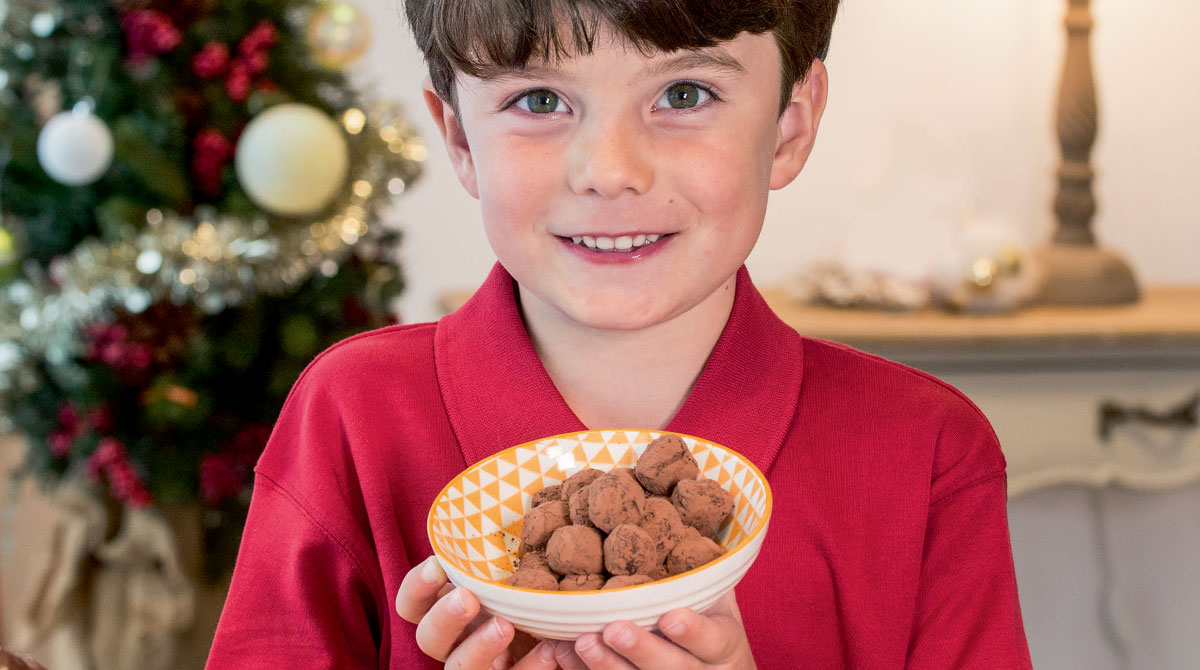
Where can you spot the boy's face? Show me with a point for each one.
(573, 164)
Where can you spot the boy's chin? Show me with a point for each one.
(614, 315)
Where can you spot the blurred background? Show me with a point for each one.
(913, 232)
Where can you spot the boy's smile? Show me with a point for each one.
(623, 190)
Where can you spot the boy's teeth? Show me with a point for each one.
(621, 244)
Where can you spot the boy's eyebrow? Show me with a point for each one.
(716, 59)
(713, 58)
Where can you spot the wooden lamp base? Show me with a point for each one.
(1085, 275)
(1075, 269)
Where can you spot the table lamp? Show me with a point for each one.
(1077, 270)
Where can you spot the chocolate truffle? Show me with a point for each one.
(613, 500)
(626, 580)
(579, 480)
(534, 560)
(702, 504)
(659, 572)
(546, 495)
(661, 522)
(581, 583)
(628, 472)
(629, 550)
(666, 461)
(575, 550)
(692, 553)
(533, 579)
(578, 507)
(541, 522)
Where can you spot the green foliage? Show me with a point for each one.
(176, 386)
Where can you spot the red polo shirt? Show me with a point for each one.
(888, 545)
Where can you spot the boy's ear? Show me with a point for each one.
(454, 136)
(798, 125)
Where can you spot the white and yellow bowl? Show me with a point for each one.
(475, 528)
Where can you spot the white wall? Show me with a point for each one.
(937, 107)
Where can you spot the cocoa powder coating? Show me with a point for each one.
(579, 480)
(665, 462)
(692, 553)
(542, 521)
(702, 504)
(613, 500)
(581, 583)
(546, 495)
(629, 550)
(533, 579)
(575, 550)
(626, 580)
(661, 522)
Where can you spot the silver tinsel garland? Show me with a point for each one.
(212, 260)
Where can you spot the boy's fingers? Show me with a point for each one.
(564, 653)
(419, 590)
(483, 649)
(714, 637)
(541, 657)
(643, 649)
(443, 625)
(596, 655)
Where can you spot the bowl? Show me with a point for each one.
(475, 528)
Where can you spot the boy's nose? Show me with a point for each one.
(610, 160)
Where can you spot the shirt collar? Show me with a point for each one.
(497, 393)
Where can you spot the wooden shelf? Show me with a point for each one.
(1166, 321)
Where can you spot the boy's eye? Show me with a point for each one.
(684, 95)
(540, 101)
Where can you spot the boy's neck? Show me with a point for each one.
(627, 378)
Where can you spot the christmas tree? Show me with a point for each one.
(190, 196)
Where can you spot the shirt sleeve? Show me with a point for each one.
(298, 597)
(967, 612)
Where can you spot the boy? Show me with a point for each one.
(622, 153)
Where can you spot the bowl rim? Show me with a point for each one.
(753, 533)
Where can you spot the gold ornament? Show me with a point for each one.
(292, 159)
(8, 246)
(339, 34)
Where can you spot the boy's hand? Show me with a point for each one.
(450, 628)
(714, 639)
(12, 661)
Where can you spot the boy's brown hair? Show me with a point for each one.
(481, 37)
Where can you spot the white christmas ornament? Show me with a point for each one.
(75, 148)
(292, 159)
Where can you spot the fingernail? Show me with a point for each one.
(675, 627)
(588, 647)
(546, 650)
(431, 571)
(495, 632)
(563, 648)
(624, 636)
(456, 604)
